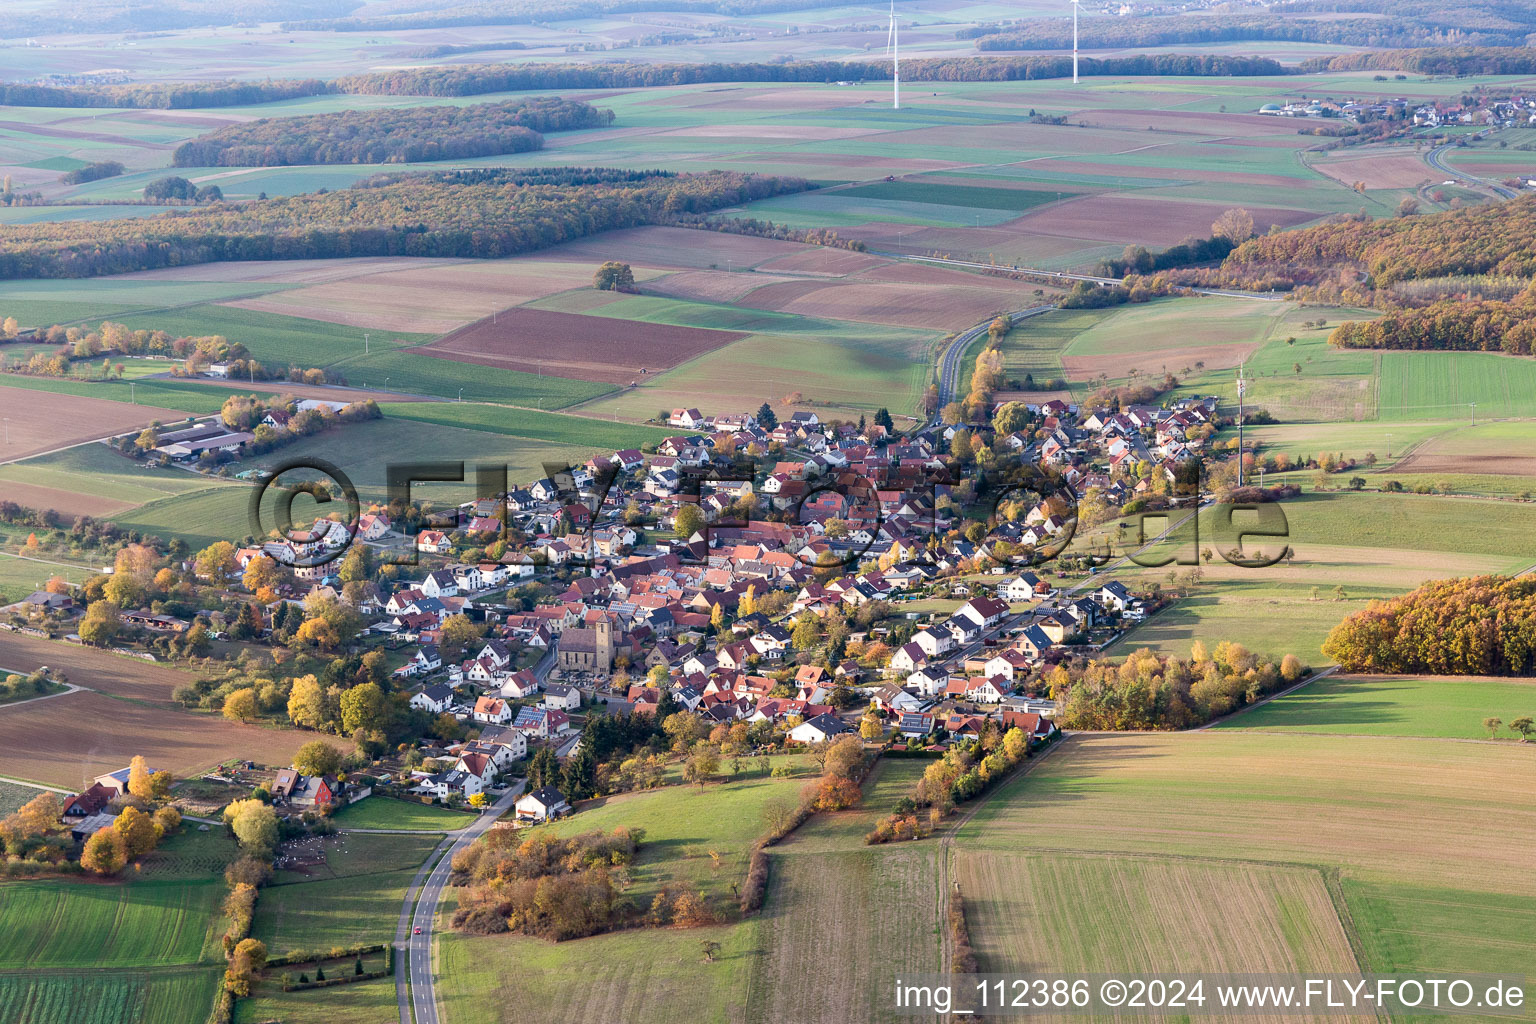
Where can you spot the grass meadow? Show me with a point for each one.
(355, 898)
(387, 812)
(144, 996)
(1444, 707)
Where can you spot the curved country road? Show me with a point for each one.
(414, 982)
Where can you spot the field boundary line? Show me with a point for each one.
(1324, 674)
(946, 847)
(1333, 883)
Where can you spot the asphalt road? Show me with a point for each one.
(414, 982)
(951, 359)
(1433, 159)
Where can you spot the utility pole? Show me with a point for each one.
(365, 343)
(1239, 423)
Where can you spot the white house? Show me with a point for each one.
(435, 699)
(492, 710)
(934, 641)
(542, 804)
(520, 684)
(564, 698)
(818, 729)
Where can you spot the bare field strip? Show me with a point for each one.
(1162, 222)
(855, 919)
(66, 503)
(1192, 122)
(1393, 169)
(821, 260)
(1215, 357)
(1223, 794)
(680, 248)
(591, 348)
(428, 300)
(308, 272)
(1193, 173)
(710, 285)
(1032, 913)
(67, 740)
(95, 669)
(952, 306)
(41, 421)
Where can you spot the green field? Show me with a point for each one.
(1014, 200)
(835, 378)
(20, 577)
(365, 451)
(355, 899)
(580, 431)
(282, 341)
(387, 812)
(105, 473)
(363, 1002)
(682, 825)
(182, 396)
(1394, 706)
(155, 996)
(1438, 385)
(146, 924)
(214, 513)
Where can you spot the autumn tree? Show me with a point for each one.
(241, 705)
(105, 853)
(140, 783)
(317, 757)
(688, 521)
(102, 622)
(1235, 225)
(363, 707)
(139, 831)
(306, 703)
(613, 276)
(254, 825)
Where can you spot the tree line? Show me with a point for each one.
(1450, 60)
(1180, 29)
(479, 215)
(1150, 691)
(391, 134)
(477, 79)
(1478, 625)
(528, 12)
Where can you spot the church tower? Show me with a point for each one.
(604, 647)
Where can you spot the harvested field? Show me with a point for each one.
(428, 300)
(1395, 168)
(1495, 449)
(709, 285)
(42, 421)
(824, 261)
(326, 392)
(1057, 914)
(66, 503)
(1191, 173)
(791, 132)
(64, 741)
(947, 307)
(860, 916)
(1156, 793)
(308, 272)
(1192, 122)
(571, 345)
(1215, 357)
(95, 669)
(1148, 221)
(680, 248)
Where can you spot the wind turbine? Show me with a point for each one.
(893, 47)
(1075, 5)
